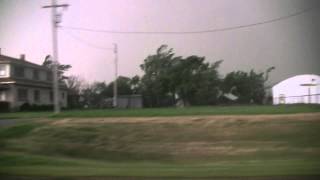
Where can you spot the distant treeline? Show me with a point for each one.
(171, 80)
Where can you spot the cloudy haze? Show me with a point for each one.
(291, 45)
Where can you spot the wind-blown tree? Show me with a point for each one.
(169, 79)
(195, 81)
(249, 87)
(156, 82)
(135, 84)
(88, 96)
(96, 94)
(208, 89)
(123, 86)
(74, 85)
(62, 68)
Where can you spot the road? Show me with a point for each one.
(7, 122)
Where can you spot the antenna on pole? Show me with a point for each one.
(309, 85)
(56, 19)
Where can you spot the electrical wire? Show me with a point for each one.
(86, 42)
(191, 32)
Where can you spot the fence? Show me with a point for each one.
(302, 99)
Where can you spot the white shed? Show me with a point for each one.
(298, 89)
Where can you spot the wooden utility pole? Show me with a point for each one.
(56, 19)
(115, 84)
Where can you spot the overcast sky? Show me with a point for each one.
(291, 45)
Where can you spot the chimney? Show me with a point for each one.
(0, 51)
(23, 57)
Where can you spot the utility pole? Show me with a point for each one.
(115, 85)
(56, 19)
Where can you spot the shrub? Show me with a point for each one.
(35, 107)
(4, 106)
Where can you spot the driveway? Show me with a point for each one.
(7, 122)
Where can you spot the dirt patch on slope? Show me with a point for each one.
(189, 119)
(202, 136)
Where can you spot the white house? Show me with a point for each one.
(24, 82)
(298, 89)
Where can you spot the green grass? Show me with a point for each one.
(201, 147)
(17, 131)
(34, 165)
(154, 112)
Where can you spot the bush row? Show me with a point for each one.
(4, 106)
(35, 107)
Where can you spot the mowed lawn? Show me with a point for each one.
(156, 112)
(168, 147)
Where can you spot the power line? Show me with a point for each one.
(86, 42)
(115, 51)
(191, 32)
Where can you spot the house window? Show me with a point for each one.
(63, 95)
(49, 76)
(3, 71)
(51, 96)
(2, 95)
(36, 95)
(19, 71)
(36, 74)
(22, 94)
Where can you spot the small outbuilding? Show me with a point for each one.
(126, 101)
(300, 89)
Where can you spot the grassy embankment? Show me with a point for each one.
(162, 147)
(188, 111)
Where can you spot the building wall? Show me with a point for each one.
(29, 73)
(10, 96)
(129, 101)
(43, 75)
(291, 91)
(44, 96)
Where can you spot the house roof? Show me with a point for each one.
(300, 79)
(12, 60)
(23, 81)
(29, 82)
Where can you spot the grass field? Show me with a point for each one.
(177, 147)
(156, 112)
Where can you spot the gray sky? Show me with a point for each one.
(291, 45)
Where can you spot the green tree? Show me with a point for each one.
(74, 85)
(135, 84)
(156, 82)
(93, 95)
(208, 90)
(123, 86)
(249, 87)
(195, 81)
(169, 79)
(62, 68)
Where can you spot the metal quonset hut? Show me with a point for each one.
(303, 89)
